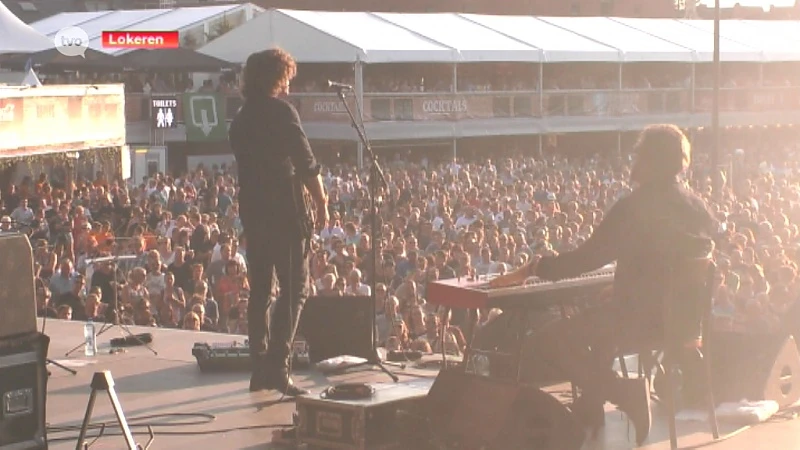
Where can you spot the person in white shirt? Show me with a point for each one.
(164, 225)
(454, 168)
(332, 230)
(22, 214)
(467, 219)
(484, 264)
(355, 286)
(239, 255)
(152, 187)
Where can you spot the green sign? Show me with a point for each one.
(204, 115)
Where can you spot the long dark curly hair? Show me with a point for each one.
(267, 73)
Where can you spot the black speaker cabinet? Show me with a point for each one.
(755, 367)
(474, 412)
(337, 326)
(17, 292)
(23, 390)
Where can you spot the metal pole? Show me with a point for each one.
(359, 82)
(715, 148)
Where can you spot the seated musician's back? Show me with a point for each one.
(659, 224)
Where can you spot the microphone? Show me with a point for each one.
(339, 86)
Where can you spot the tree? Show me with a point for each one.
(189, 41)
(687, 8)
(220, 28)
(223, 26)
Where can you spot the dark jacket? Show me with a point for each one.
(646, 233)
(270, 147)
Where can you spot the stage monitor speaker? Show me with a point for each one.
(474, 412)
(17, 291)
(755, 367)
(23, 391)
(337, 326)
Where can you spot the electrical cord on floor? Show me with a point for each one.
(142, 424)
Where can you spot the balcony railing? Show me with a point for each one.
(400, 107)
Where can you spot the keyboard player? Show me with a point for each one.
(660, 217)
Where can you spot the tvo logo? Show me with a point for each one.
(71, 41)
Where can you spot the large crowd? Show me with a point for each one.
(438, 78)
(171, 251)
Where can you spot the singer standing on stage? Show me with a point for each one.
(274, 157)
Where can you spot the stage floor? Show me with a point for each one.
(171, 383)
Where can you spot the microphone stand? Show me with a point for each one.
(49, 361)
(376, 182)
(113, 317)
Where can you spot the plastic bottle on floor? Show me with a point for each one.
(90, 349)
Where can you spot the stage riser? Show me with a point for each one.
(380, 422)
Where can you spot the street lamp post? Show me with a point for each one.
(715, 129)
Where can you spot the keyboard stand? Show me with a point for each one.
(519, 327)
(102, 381)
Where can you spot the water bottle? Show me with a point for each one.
(90, 349)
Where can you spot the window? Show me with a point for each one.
(97, 6)
(607, 7)
(27, 6)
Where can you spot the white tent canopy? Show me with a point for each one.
(773, 47)
(324, 37)
(331, 37)
(94, 23)
(557, 44)
(474, 42)
(18, 37)
(788, 30)
(635, 45)
(700, 40)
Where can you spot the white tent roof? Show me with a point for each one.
(94, 23)
(772, 46)
(701, 41)
(635, 45)
(314, 36)
(782, 29)
(18, 37)
(49, 26)
(474, 42)
(557, 44)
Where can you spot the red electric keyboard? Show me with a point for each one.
(470, 294)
